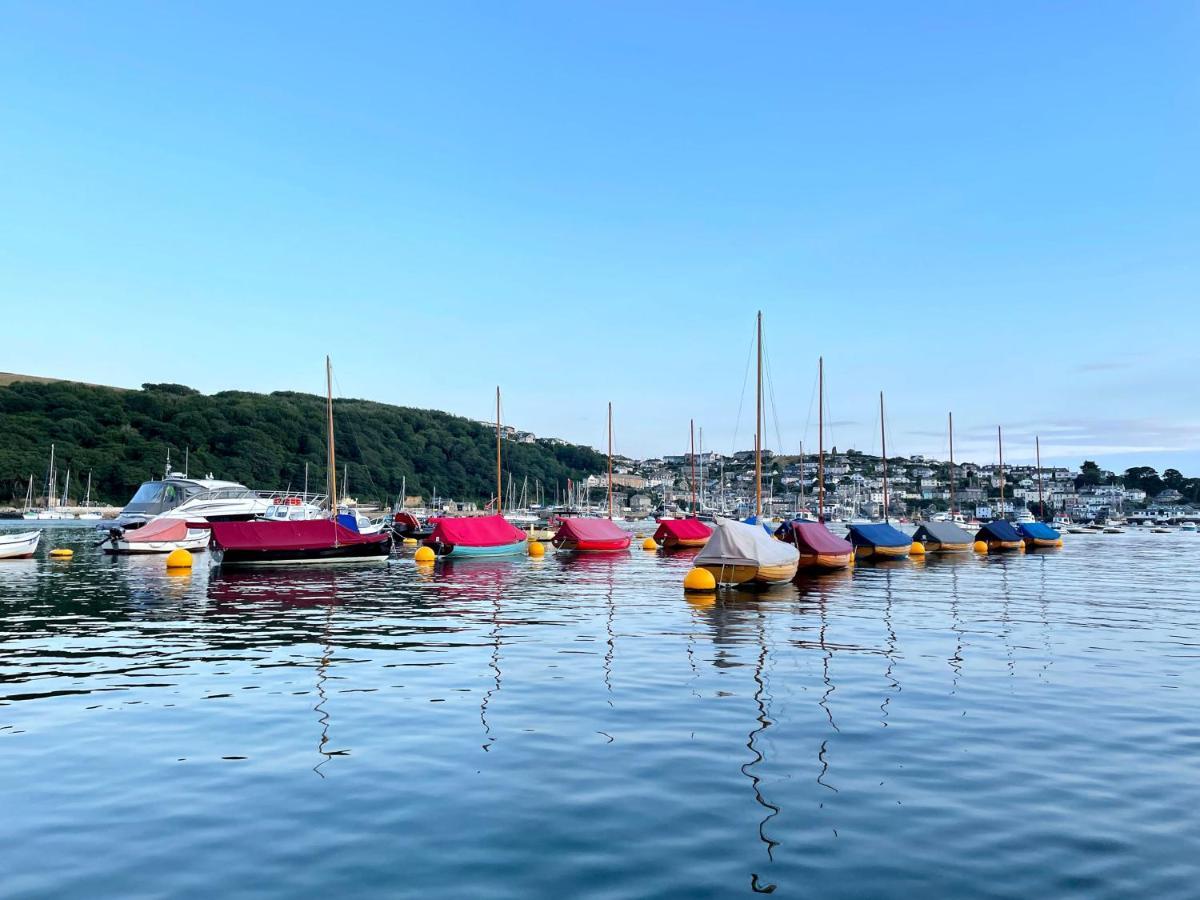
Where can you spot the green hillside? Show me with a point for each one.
(261, 440)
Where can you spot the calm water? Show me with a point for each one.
(997, 727)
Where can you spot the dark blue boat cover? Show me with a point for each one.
(999, 530)
(1038, 530)
(766, 524)
(880, 535)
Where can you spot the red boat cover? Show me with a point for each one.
(158, 530)
(406, 518)
(310, 534)
(478, 531)
(591, 530)
(814, 537)
(682, 529)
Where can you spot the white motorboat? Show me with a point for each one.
(197, 500)
(1188, 526)
(159, 536)
(21, 545)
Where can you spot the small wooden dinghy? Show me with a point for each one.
(578, 535)
(943, 537)
(680, 534)
(818, 547)
(19, 546)
(1038, 535)
(1000, 536)
(879, 541)
(738, 553)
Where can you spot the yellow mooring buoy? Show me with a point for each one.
(61, 553)
(980, 547)
(536, 549)
(648, 544)
(699, 580)
(179, 559)
(917, 549)
(425, 555)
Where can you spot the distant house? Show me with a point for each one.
(1170, 495)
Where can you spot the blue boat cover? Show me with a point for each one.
(1038, 531)
(999, 530)
(881, 535)
(767, 524)
(347, 521)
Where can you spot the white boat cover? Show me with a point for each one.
(735, 543)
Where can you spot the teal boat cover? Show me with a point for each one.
(878, 535)
(1038, 531)
(999, 530)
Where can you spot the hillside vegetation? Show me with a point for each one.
(261, 440)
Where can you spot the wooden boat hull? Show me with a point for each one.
(827, 562)
(938, 547)
(1042, 543)
(1004, 546)
(749, 574)
(673, 543)
(873, 552)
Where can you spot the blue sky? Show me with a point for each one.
(989, 208)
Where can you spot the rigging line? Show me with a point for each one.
(771, 393)
(737, 424)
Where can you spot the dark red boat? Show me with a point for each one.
(303, 542)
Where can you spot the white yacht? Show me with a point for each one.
(195, 499)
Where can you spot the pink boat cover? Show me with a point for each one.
(158, 530)
(591, 530)
(682, 529)
(814, 537)
(311, 534)
(478, 531)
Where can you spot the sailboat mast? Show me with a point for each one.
(1000, 449)
(758, 428)
(610, 485)
(1037, 443)
(820, 441)
(499, 480)
(952, 498)
(692, 429)
(332, 450)
(883, 444)
(50, 481)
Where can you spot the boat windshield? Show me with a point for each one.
(157, 496)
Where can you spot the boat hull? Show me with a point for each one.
(120, 547)
(939, 547)
(346, 554)
(1042, 543)
(463, 551)
(827, 562)
(673, 543)
(753, 574)
(19, 546)
(873, 552)
(1004, 546)
(616, 545)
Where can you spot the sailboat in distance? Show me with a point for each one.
(946, 536)
(690, 532)
(880, 540)
(592, 535)
(819, 548)
(741, 553)
(465, 536)
(281, 542)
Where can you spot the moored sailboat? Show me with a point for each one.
(581, 535)
(945, 536)
(738, 553)
(276, 542)
(817, 545)
(1039, 535)
(688, 533)
(479, 535)
(880, 540)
